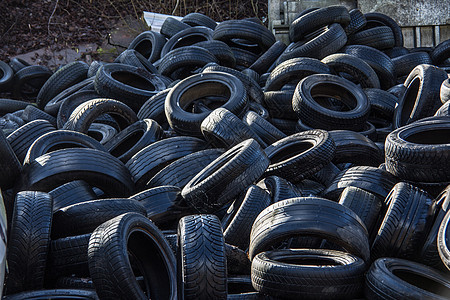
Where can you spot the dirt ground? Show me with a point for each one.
(53, 32)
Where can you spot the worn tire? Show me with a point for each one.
(131, 237)
(309, 216)
(202, 272)
(226, 177)
(29, 241)
(97, 168)
(325, 274)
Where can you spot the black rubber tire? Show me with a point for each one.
(29, 80)
(69, 256)
(353, 147)
(226, 177)
(254, 92)
(134, 58)
(422, 96)
(300, 155)
(310, 188)
(315, 19)
(279, 188)
(32, 113)
(332, 274)
(418, 152)
(6, 79)
(101, 132)
(62, 79)
(357, 21)
(28, 241)
(171, 26)
(97, 168)
(393, 278)
(371, 179)
(22, 138)
(201, 260)
(358, 69)
(198, 19)
(70, 193)
(263, 128)
(187, 37)
(223, 129)
(263, 63)
(132, 85)
(84, 217)
(72, 282)
(286, 126)
(153, 108)
(164, 205)
(246, 30)
(380, 63)
(318, 86)
(10, 165)
(259, 109)
(149, 44)
(87, 112)
(131, 237)
(279, 104)
(441, 52)
(17, 63)
(409, 207)
(153, 158)
(181, 171)
(57, 140)
(396, 52)
(11, 105)
(221, 51)
(445, 91)
(237, 232)
(382, 103)
(429, 253)
(93, 68)
(55, 294)
(444, 110)
(294, 70)
(244, 58)
(202, 85)
(309, 216)
(380, 37)
(134, 138)
(443, 241)
(319, 44)
(406, 63)
(365, 204)
(69, 104)
(185, 60)
(383, 20)
(52, 107)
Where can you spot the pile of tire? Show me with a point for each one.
(211, 162)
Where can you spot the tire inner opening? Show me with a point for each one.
(434, 136)
(127, 143)
(133, 80)
(308, 260)
(333, 97)
(149, 262)
(290, 151)
(423, 282)
(203, 91)
(409, 101)
(189, 40)
(144, 48)
(67, 145)
(95, 134)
